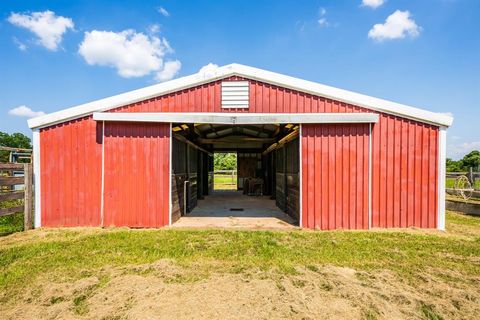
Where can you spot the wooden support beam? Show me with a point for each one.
(236, 139)
(183, 139)
(281, 142)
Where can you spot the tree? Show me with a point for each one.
(14, 140)
(225, 161)
(472, 160)
(454, 165)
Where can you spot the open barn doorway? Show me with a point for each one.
(257, 186)
(225, 171)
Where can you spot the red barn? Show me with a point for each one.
(328, 158)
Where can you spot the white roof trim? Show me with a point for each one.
(237, 118)
(314, 88)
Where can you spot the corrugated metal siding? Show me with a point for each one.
(136, 174)
(335, 176)
(404, 174)
(404, 158)
(71, 173)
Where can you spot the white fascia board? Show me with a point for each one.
(442, 158)
(236, 118)
(37, 221)
(250, 73)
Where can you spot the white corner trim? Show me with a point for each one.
(237, 118)
(249, 73)
(170, 157)
(442, 157)
(300, 172)
(36, 178)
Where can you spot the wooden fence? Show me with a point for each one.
(8, 192)
(472, 176)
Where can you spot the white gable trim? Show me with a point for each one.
(250, 73)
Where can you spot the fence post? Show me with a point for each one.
(28, 213)
(470, 176)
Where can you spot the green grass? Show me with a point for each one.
(224, 182)
(73, 253)
(450, 183)
(11, 223)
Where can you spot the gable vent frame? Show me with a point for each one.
(235, 94)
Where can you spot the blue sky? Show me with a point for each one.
(421, 53)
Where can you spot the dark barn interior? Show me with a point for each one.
(267, 170)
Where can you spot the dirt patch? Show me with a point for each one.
(166, 290)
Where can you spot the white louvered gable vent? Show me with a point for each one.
(235, 94)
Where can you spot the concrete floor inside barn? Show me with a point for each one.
(214, 211)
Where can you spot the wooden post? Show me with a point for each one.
(28, 213)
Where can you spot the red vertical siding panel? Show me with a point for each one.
(305, 202)
(331, 192)
(345, 175)
(396, 181)
(67, 198)
(317, 180)
(311, 177)
(130, 196)
(375, 174)
(411, 175)
(424, 191)
(432, 173)
(403, 174)
(325, 177)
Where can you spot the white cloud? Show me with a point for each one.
(132, 54)
(372, 3)
(163, 11)
(24, 111)
(169, 71)
(154, 28)
(458, 150)
(397, 26)
(22, 46)
(322, 20)
(208, 70)
(48, 27)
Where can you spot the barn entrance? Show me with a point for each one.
(267, 182)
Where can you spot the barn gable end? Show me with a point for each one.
(384, 174)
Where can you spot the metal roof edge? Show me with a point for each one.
(250, 73)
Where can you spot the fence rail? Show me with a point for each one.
(7, 193)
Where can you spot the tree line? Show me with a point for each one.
(470, 160)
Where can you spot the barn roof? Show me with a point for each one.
(234, 69)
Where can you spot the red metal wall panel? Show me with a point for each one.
(71, 173)
(136, 174)
(404, 164)
(404, 173)
(335, 176)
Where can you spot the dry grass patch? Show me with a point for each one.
(140, 274)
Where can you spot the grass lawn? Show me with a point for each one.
(450, 183)
(224, 182)
(123, 273)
